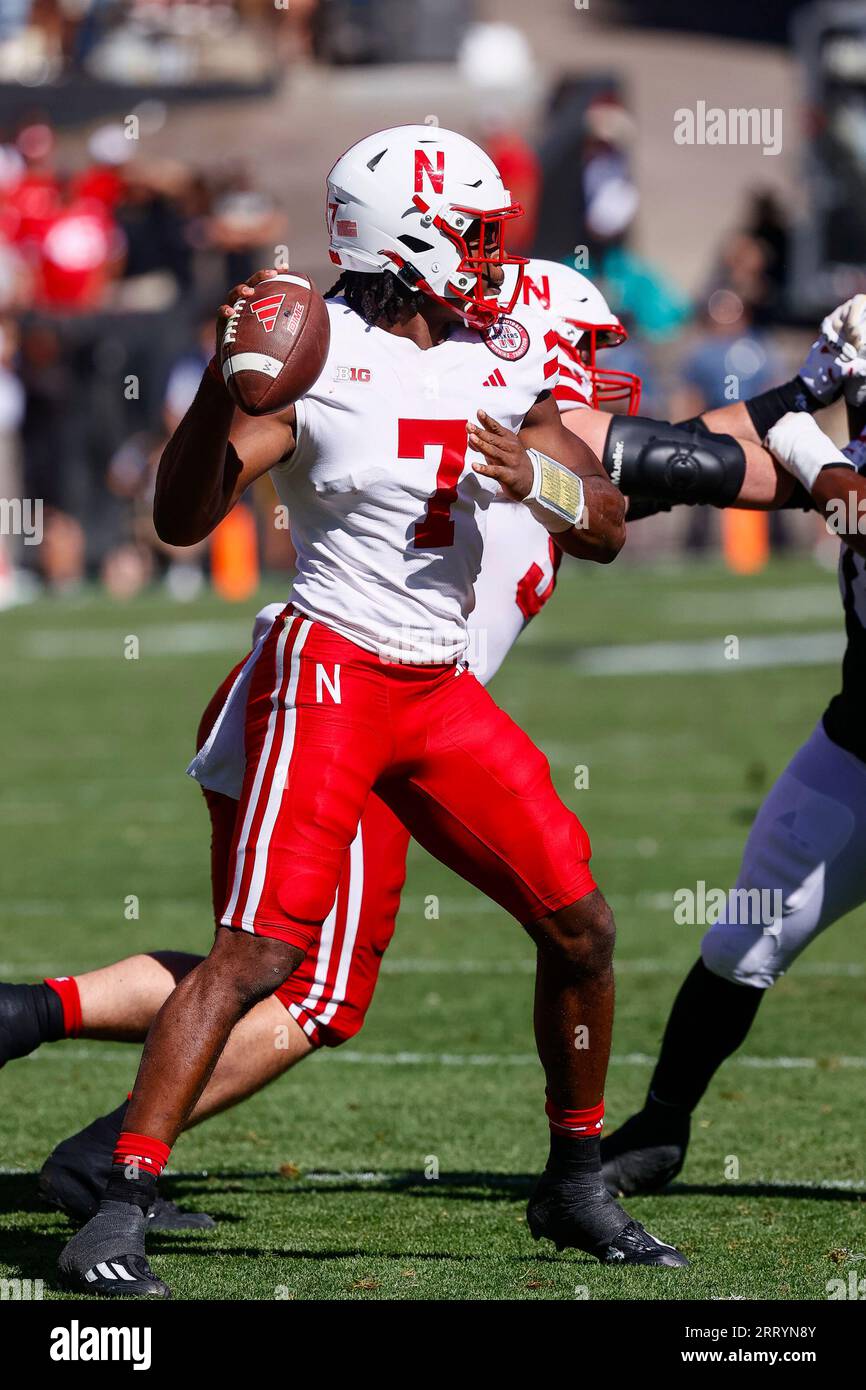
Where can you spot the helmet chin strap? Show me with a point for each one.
(468, 309)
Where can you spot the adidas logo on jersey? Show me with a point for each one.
(496, 379)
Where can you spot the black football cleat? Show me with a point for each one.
(647, 1152)
(635, 1246)
(73, 1180)
(559, 1211)
(107, 1256)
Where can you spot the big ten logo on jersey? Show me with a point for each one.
(359, 374)
(424, 169)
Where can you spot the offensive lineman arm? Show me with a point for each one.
(599, 533)
(829, 475)
(720, 458)
(215, 452)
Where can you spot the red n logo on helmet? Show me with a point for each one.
(436, 176)
(539, 288)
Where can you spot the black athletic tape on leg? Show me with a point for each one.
(766, 409)
(139, 1190)
(684, 464)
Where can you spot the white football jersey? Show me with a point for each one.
(387, 516)
(574, 387)
(518, 574)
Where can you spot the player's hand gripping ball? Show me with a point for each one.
(273, 336)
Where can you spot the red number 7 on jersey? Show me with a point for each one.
(435, 530)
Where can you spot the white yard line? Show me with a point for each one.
(669, 658)
(372, 1178)
(631, 659)
(91, 1051)
(831, 969)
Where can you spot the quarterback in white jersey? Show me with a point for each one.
(387, 514)
(359, 690)
(327, 999)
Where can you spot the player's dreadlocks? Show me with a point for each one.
(377, 297)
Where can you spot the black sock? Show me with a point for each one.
(709, 1020)
(49, 1012)
(571, 1158)
(33, 1014)
(138, 1188)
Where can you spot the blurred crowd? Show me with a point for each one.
(149, 41)
(109, 273)
(110, 268)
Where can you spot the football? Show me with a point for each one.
(275, 346)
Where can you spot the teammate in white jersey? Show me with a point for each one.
(396, 522)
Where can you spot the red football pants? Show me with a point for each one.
(327, 725)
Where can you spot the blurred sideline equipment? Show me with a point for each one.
(830, 239)
(390, 31)
(745, 541)
(234, 556)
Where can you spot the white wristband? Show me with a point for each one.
(801, 446)
(556, 497)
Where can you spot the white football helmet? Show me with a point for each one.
(415, 200)
(584, 325)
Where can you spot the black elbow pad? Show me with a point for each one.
(673, 463)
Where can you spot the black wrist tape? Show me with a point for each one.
(769, 407)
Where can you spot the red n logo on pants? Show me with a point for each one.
(332, 683)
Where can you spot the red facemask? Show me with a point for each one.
(480, 310)
(608, 385)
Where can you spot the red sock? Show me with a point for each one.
(575, 1124)
(147, 1155)
(67, 988)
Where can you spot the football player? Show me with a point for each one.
(807, 841)
(329, 995)
(360, 687)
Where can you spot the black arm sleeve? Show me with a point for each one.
(769, 407)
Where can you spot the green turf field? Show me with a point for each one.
(319, 1183)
